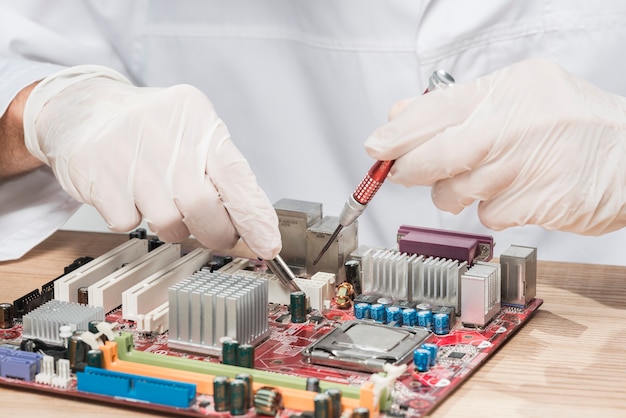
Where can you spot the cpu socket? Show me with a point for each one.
(365, 346)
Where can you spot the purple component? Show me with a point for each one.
(446, 244)
(19, 364)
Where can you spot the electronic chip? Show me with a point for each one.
(365, 346)
(456, 355)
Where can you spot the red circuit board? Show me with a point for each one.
(461, 352)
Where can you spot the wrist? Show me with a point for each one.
(14, 156)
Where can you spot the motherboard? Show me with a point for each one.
(367, 331)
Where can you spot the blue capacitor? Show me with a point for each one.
(394, 315)
(409, 317)
(421, 359)
(441, 323)
(425, 319)
(378, 313)
(432, 349)
(362, 310)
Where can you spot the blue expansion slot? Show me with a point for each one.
(141, 388)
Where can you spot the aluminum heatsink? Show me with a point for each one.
(205, 307)
(481, 294)
(44, 322)
(413, 277)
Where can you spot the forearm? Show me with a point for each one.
(14, 157)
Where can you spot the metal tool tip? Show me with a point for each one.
(328, 244)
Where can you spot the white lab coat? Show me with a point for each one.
(301, 84)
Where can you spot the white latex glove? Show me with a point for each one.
(158, 153)
(531, 142)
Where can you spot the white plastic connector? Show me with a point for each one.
(63, 378)
(384, 382)
(47, 371)
(156, 320)
(108, 329)
(329, 279)
(314, 290)
(92, 340)
(65, 332)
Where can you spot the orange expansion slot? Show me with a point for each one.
(292, 398)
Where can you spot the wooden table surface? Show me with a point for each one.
(568, 360)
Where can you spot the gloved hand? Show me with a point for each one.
(158, 153)
(531, 142)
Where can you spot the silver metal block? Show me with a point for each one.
(332, 262)
(480, 294)
(294, 217)
(519, 275)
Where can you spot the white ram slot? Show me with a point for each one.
(152, 291)
(108, 291)
(66, 288)
(156, 320)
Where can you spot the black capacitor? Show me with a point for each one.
(335, 401)
(6, 315)
(353, 275)
(404, 304)
(221, 397)
(297, 307)
(77, 351)
(312, 384)
(230, 352)
(322, 406)
(154, 243)
(249, 395)
(213, 265)
(360, 412)
(246, 356)
(93, 326)
(237, 396)
(371, 299)
(79, 262)
(139, 233)
(94, 358)
(83, 295)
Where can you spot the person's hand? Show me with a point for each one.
(531, 142)
(158, 153)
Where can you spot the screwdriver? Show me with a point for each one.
(365, 191)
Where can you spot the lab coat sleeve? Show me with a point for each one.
(32, 206)
(37, 39)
